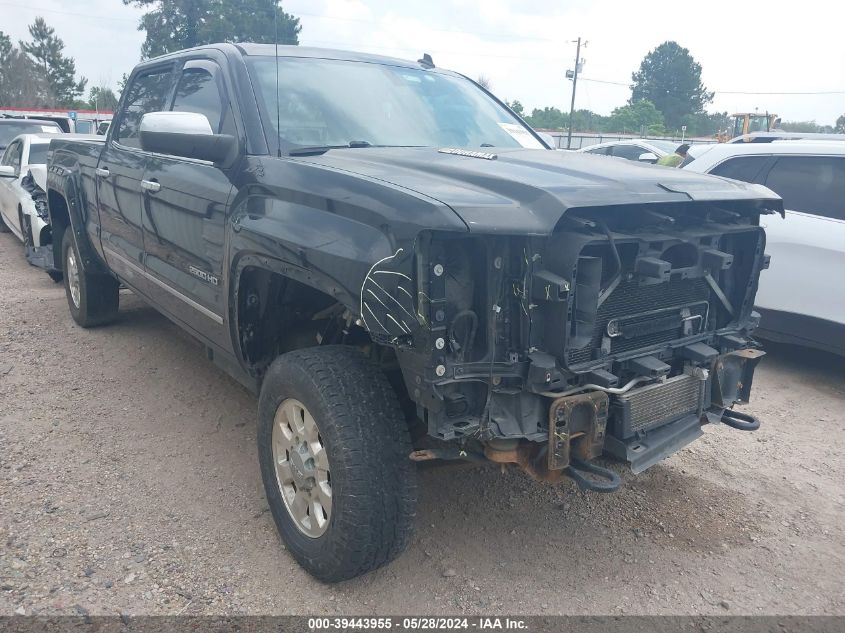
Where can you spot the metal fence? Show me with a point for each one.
(585, 139)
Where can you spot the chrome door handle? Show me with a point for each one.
(102, 172)
(150, 185)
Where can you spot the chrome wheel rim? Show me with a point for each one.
(72, 274)
(302, 468)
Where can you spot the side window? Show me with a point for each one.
(148, 93)
(198, 92)
(743, 168)
(13, 156)
(602, 151)
(813, 184)
(628, 152)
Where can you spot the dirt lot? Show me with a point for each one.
(129, 484)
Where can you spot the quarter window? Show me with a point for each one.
(743, 168)
(812, 184)
(148, 93)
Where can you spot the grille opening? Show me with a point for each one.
(681, 255)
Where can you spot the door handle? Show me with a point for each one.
(102, 172)
(150, 185)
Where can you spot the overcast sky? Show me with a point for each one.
(524, 47)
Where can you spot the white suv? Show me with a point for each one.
(802, 295)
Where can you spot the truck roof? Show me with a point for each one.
(269, 50)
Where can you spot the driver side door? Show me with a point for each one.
(184, 210)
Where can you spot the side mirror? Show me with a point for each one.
(648, 157)
(185, 134)
(7, 171)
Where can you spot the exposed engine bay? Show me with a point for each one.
(622, 333)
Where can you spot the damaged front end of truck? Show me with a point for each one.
(621, 333)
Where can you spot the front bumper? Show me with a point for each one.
(649, 423)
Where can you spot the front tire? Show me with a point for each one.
(93, 299)
(333, 447)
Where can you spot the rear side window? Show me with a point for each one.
(38, 154)
(12, 157)
(743, 168)
(628, 152)
(198, 92)
(600, 150)
(812, 184)
(148, 93)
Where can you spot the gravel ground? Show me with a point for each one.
(129, 484)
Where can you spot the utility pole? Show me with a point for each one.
(574, 84)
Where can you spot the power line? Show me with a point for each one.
(295, 14)
(457, 31)
(60, 12)
(820, 92)
(733, 92)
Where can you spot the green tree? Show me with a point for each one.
(549, 118)
(516, 106)
(21, 83)
(805, 126)
(102, 99)
(172, 25)
(670, 78)
(640, 116)
(45, 51)
(840, 125)
(588, 121)
(6, 49)
(707, 124)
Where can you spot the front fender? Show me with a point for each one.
(320, 249)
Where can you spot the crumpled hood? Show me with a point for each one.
(528, 190)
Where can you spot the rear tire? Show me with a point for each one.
(93, 299)
(359, 455)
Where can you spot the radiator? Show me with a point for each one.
(655, 405)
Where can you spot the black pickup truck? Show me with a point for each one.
(403, 271)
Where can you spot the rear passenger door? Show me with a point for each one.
(120, 171)
(185, 202)
(808, 247)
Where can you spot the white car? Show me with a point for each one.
(802, 295)
(645, 150)
(20, 213)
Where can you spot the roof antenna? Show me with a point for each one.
(278, 105)
(426, 61)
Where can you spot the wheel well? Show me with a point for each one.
(59, 221)
(277, 314)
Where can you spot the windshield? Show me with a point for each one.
(9, 130)
(335, 102)
(38, 153)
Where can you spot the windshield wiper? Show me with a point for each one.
(321, 149)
